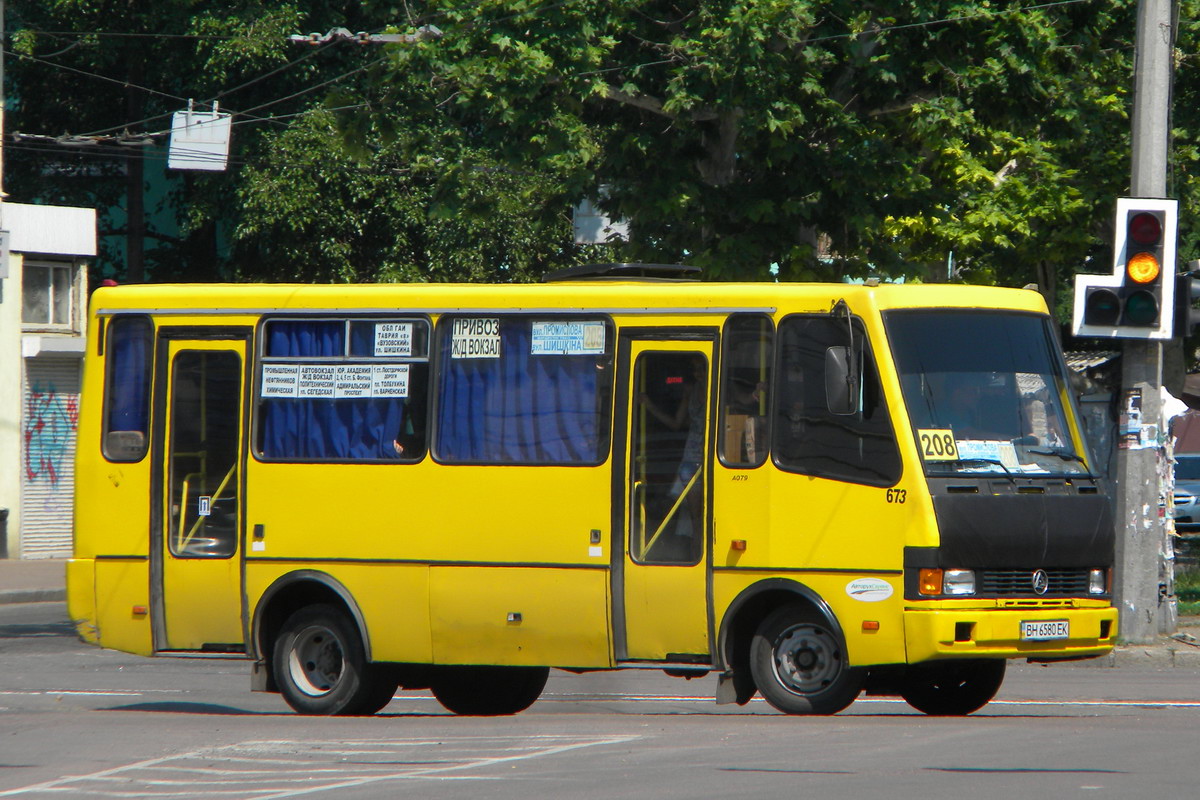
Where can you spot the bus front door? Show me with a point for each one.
(661, 566)
(196, 561)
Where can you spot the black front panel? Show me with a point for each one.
(1018, 531)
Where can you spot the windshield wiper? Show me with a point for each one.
(985, 461)
(1063, 454)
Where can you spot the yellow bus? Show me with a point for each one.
(810, 490)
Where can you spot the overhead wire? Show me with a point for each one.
(431, 15)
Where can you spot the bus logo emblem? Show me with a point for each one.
(1040, 581)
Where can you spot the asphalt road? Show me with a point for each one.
(80, 722)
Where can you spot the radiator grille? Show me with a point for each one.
(1019, 582)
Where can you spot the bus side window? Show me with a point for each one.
(808, 437)
(523, 389)
(341, 390)
(127, 388)
(749, 352)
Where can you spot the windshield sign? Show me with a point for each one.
(985, 392)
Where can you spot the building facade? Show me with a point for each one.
(43, 296)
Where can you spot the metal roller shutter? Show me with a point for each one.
(49, 418)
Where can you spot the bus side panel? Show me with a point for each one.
(844, 541)
(871, 602)
(429, 513)
(520, 616)
(393, 600)
(122, 605)
(81, 598)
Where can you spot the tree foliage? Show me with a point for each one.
(812, 139)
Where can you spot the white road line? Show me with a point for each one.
(144, 779)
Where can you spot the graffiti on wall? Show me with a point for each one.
(50, 422)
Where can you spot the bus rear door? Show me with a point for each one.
(198, 491)
(660, 567)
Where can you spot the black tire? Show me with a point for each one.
(952, 688)
(799, 663)
(488, 691)
(321, 668)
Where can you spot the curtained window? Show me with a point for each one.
(524, 390)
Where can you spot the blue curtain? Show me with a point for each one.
(520, 408)
(304, 429)
(131, 342)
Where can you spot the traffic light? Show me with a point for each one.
(1187, 294)
(1137, 301)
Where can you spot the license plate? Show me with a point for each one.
(1045, 630)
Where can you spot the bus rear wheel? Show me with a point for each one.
(799, 663)
(952, 688)
(488, 691)
(321, 667)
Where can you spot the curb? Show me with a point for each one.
(13, 596)
(1168, 655)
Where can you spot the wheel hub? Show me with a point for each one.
(315, 661)
(806, 659)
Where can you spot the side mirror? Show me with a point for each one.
(842, 380)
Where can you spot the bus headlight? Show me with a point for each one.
(1098, 581)
(958, 582)
(947, 582)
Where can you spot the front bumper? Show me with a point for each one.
(995, 632)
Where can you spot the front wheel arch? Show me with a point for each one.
(747, 611)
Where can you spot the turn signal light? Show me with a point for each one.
(931, 582)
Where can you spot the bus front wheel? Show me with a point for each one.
(488, 691)
(799, 663)
(952, 688)
(321, 668)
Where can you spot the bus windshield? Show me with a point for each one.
(986, 392)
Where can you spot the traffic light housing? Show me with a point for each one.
(1137, 301)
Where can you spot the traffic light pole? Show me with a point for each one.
(1141, 581)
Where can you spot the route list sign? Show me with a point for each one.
(334, 381)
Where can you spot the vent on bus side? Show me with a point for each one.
(625, 272)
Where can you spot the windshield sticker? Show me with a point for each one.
(334, 381)
(389, 380)
(393, 339)
(352, 380)
(280, 380)
(869, 590)
(937, 444)
(987, 455)
(475, 337)
(317, 380)
(567, 339)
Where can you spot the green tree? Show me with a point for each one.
(826, 137)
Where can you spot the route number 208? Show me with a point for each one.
(938, 445)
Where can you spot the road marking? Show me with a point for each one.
(326, 766)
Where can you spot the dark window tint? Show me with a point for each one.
(206, 393)
(808, 437)
(127, 388)
(523, 390)
(749, 354)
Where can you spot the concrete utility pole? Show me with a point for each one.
(1141, 585)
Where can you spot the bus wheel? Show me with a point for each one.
(799, 663)
(952, 688)
(488, 691)
(321, 667)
